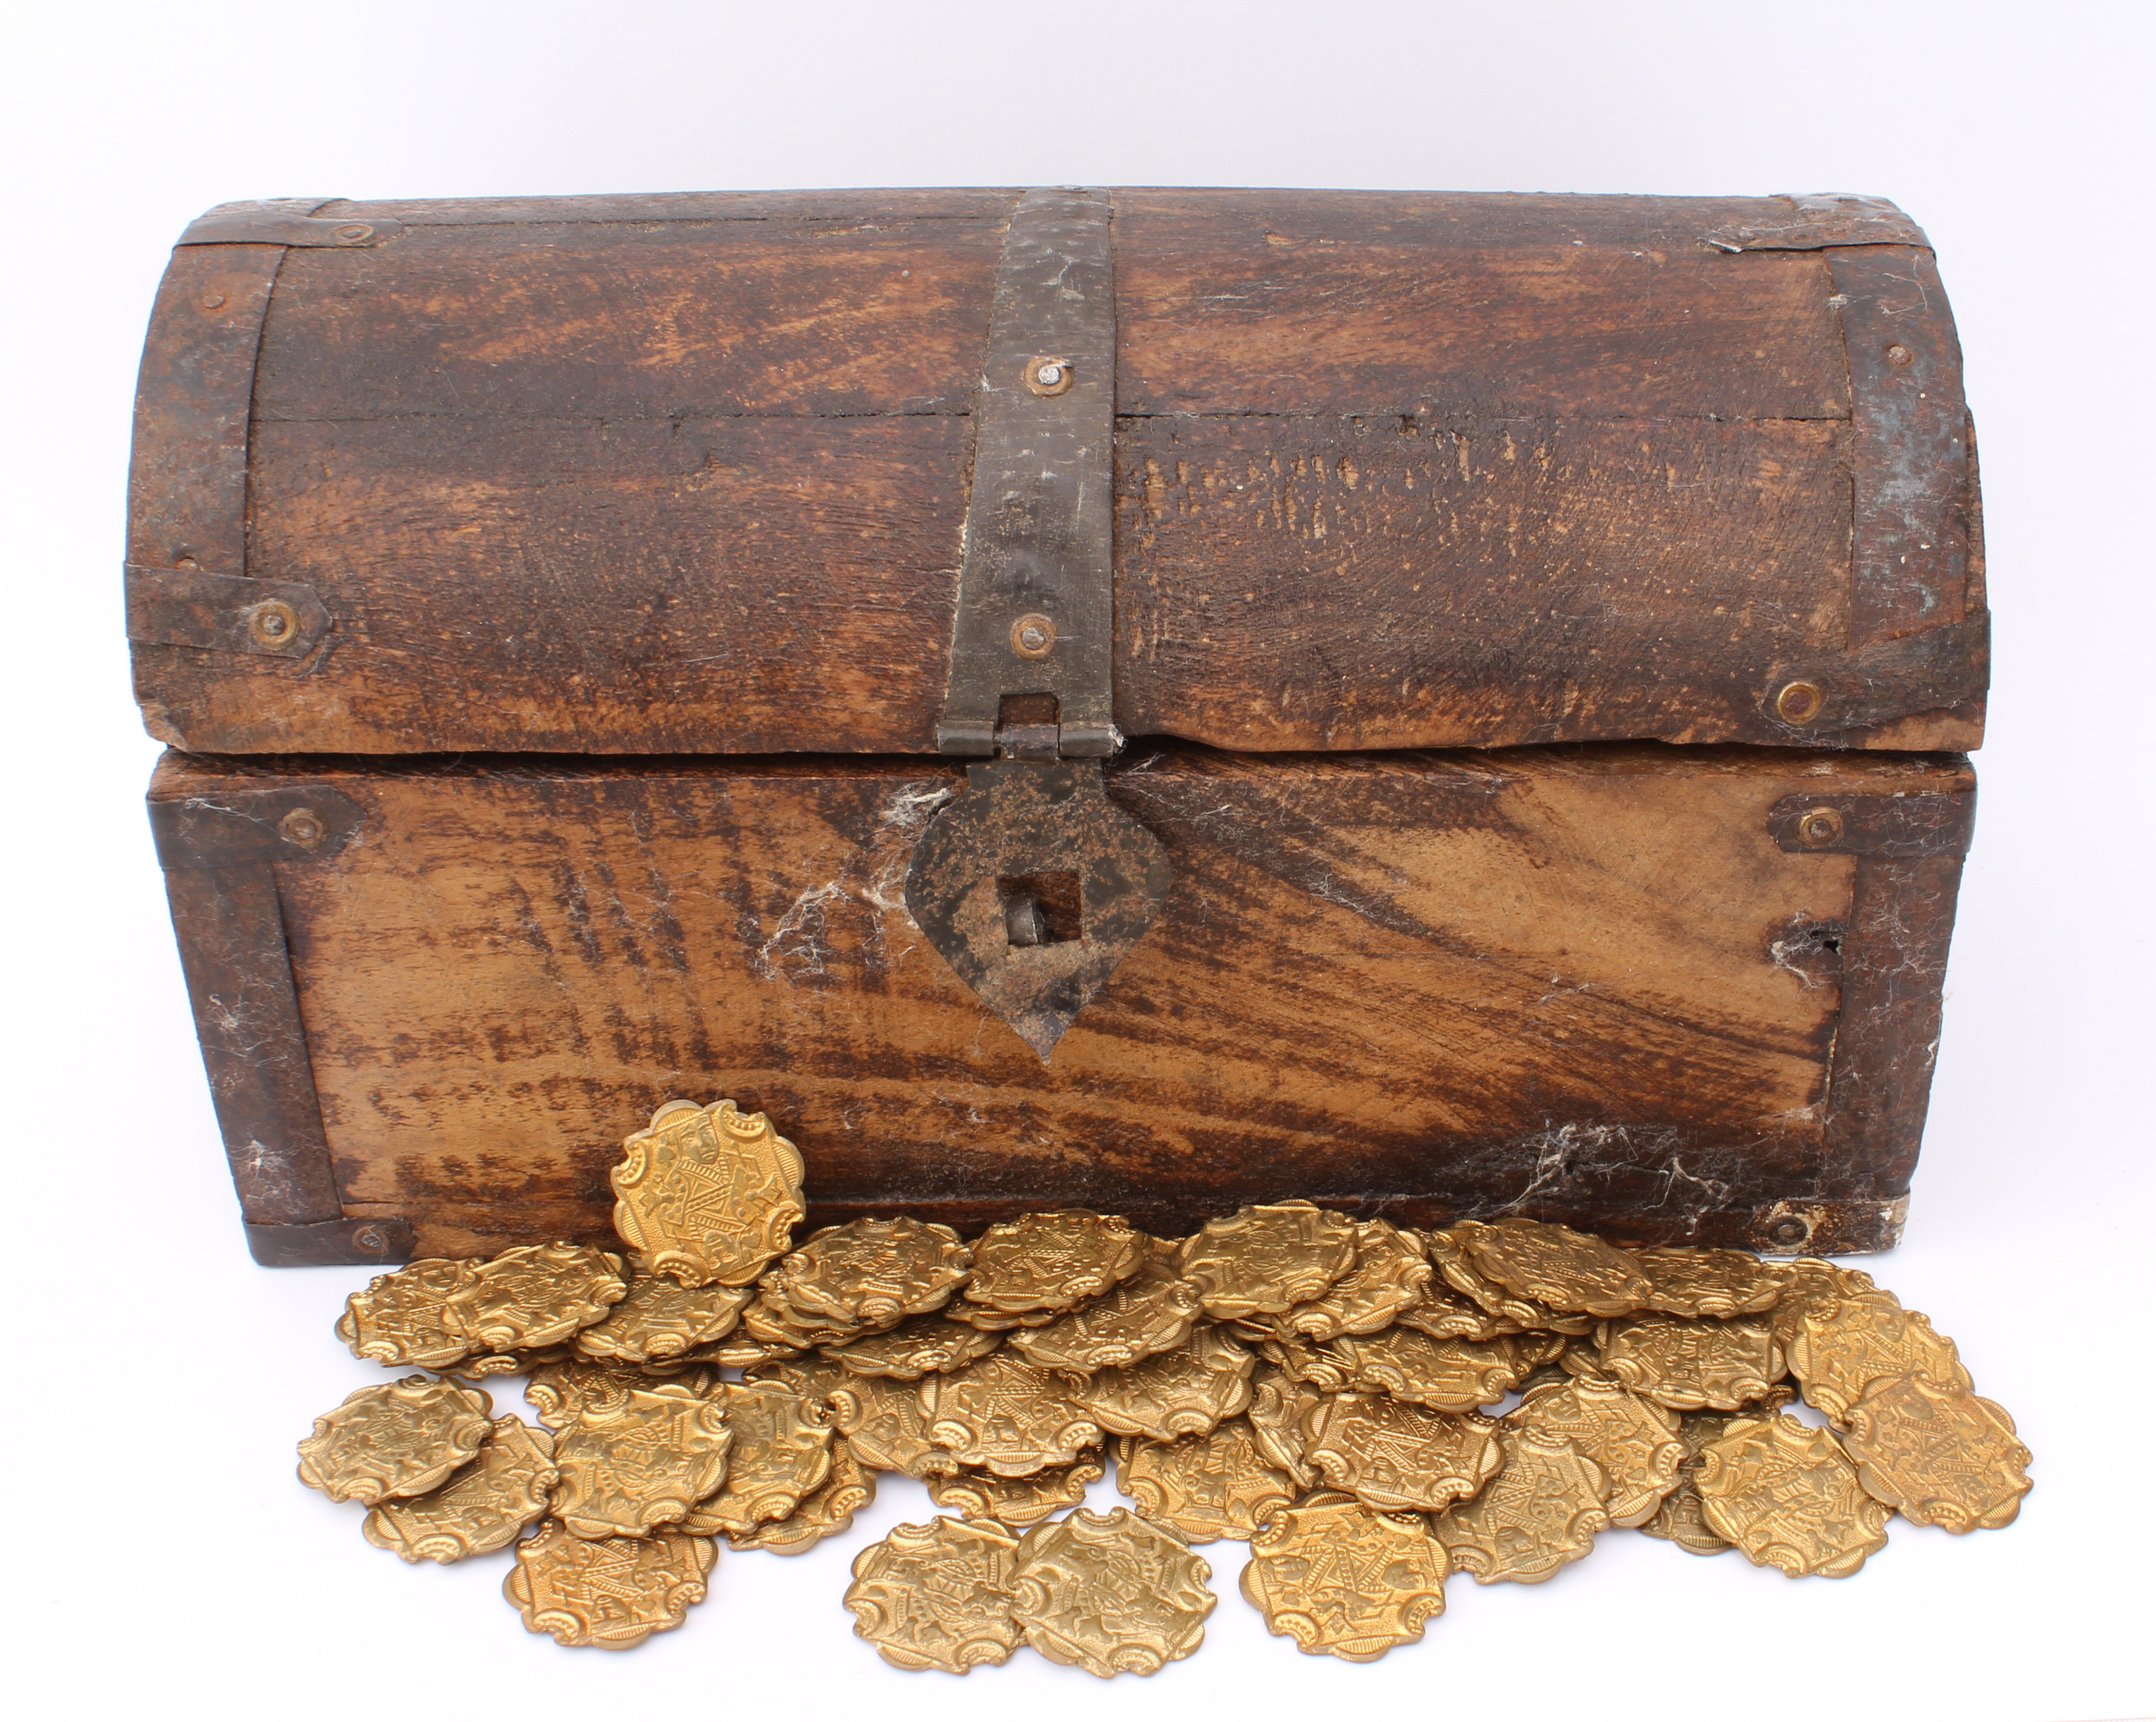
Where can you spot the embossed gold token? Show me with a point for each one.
(1279, 1404)
(1458, 1269)
(1203, 1486)
(926, 1345)
(1043, 1264)
(1840, 1348)
(825, 1512)
(1002, 1414)
(1693, 1366)
(883, 1421)
(402, 1438)
(1399, 1457)
(1565, 1270)
(630, 1467)
(1264, 1260)
(1539, 1513)
(1111, 1593)
(1636, 1442)
(1392, 1273)
(535, 1295)
(483, 1506)
(1811, 1283)
(562, 1392)
(1446, 1312)
(1185, 1391)
(1939, 1454)
(937, 1596)
(1788, 1498)
(1343, 1581)
(708, 1193)
(781, 1455)
(661, 1318)
(1681, 1519)
(871, 1272)
(1445, 1375)
(1719, 1283)
(611, 1593)
(1018, 1501)
(1153, 1311)
(398, 1320)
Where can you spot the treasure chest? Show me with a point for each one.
(1449, 705)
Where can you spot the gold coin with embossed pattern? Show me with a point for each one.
(484, 1506)
(1203, 1486)
(1184, 1391)
(1002, 1414)
(1693, 1366)
(1939, 1454)
(1565, 1271)
(708, 1193)
(402, 1438)
(1111, 1593)
(1716, 1283)
(1264, 1260)
(1043, 1264)
(398, 1320)
(612, 1593)
(926, 1345)
(661, 1319)
(1445, 1375)
(1539, 1513)
(1398, 1457)
(1840, 1348)
(535, 1295)
(824, 1512)
(1343, 1581)
(1788, 1497)
(1636, 1442)
(1018, 1501)
(635, 1464)
(1153, 1311)
(938, 1595)
(781, 1455)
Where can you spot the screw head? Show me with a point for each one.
(274, 623)
(1791, 1231)
(1800, 702)
(211, 301)
(1049, 376)
(1033, 635)
(1819, 827)
(303, 828)
(1899, 355)
(353, 232)
(370, 1239)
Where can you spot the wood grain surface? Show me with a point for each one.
(1585, 983)
(1393, 469)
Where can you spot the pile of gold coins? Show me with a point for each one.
(1311, 1385)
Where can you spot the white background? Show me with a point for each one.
(157, 1553)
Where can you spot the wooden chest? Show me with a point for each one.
(1449, 705)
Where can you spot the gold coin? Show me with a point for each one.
(1811, 1283)
(737, 1351)
(1279, 1404)
(483, 1506)
(926, 1345)
(1636, 1442)
(1392, 1274)
(630, 1466)
(1788, 1497)
(402, 1438)
(1445, 1375)
(772, 1321)
(883, 1420)
(1043, 1264)
(825, 1512)
(781, 1455)
(1681, 1519)
(1018, 1501)
(1185, 1391)
(535, 1295)
(612, 1593)
(661, 1318)
(708, 1193)
(871, 1272)
(562, 1392)
(1445, 1313)
(1153, 1311)
(1002, 1414)
(1457, 1268)
(1343, 1581)
(1540, 1512)
(1111, 1593)
(937, 1596)
(1399, 1457)
(398, 1320)
(1841, 1347)
(1563, 1270)
(1937, 1453)
(1693, 1366)
(1263, 1260)
(1203, 1486)
(1716, 1283)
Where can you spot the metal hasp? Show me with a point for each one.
(1032, 885)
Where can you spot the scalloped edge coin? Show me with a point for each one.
(403, 1437)
(1939, 1454)
(485, 1506)
(1386, 1572)
(954, 1575)
(1110, 1593)
(607, 1593)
